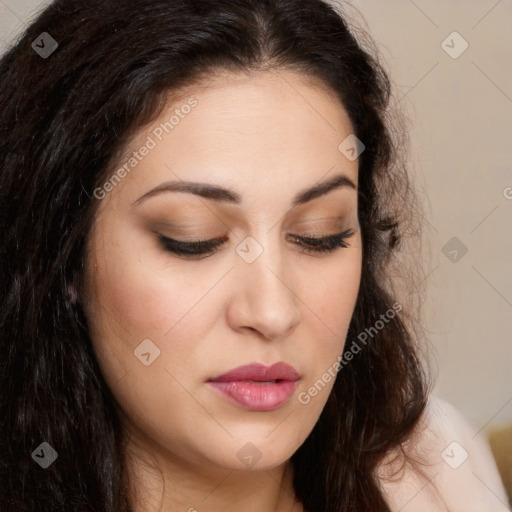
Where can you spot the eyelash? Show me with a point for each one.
(314, 245)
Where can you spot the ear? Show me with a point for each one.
(73, 290)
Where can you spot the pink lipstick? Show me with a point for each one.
(258, 387)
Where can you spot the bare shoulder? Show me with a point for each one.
(453, 467)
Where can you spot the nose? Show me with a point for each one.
(263, 298)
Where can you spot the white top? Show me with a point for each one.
(459, 463)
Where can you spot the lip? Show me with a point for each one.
(257, 387)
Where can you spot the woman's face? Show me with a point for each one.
(165, 326)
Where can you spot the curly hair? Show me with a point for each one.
(64, 121)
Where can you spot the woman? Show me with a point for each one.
(201, 202)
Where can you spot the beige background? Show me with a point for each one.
(460, 112)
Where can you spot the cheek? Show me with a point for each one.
(332, 295)
(141, 304)
(134, 299)
(140, 293)
(335, 300)
(140, 286)
(329, 298)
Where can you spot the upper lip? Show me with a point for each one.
(259, 372)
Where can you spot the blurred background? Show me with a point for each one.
(451, 65)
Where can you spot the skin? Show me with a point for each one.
(266, 136)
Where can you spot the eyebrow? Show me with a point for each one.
(221, 194)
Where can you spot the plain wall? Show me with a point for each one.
(460, 112)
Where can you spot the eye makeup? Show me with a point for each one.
(307, 244)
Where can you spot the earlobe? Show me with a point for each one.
(72, 293)
(73, 290)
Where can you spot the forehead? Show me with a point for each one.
(279, 128)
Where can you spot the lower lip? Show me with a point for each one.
(257, 396)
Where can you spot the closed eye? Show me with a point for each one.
(324, 244)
